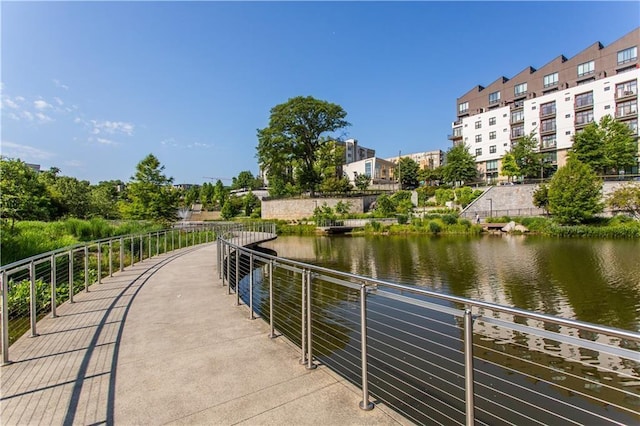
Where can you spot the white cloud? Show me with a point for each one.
(105, 141)
(27, 115)
(60, 85)
(77, 120)
(41, 105)
(112, 127)
(11, 104)
(13, 116)
(59, 101)
(20, 99)
(24, 152)
(43, 118)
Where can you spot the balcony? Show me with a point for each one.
(579, 123)
(548, 146)
(626, 113)
(517, 133)
(547, 130)
(457, 122)
(517, 105)
(547, 112)
(454, 136)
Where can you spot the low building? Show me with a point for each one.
(354, 152)
(426, 159)
(379, 170)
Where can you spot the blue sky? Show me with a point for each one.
(93, 87)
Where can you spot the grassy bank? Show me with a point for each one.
(29, 238)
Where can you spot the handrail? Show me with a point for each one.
(523, 346)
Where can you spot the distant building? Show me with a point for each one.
(354, 152)
(426, 159)
(34, 167)
(185, 186)
(555, 102)
(380, 171)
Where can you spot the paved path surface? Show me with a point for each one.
(163, 343)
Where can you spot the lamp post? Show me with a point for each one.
(490, 207)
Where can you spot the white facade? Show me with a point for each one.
(379, 170)
(489, 135)
(354, 152)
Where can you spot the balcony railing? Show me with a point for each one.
(626, 112)
(626, 93)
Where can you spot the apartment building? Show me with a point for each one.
(555, 102)
(354, 152)
(425, 159)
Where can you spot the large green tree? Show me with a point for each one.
(607, 147)
(460, 165)
(408, 172)
(626, 199)
(244, 180)
(150, 193)
(105, 197)
(288, 146)
(528, 157)
(575, 193)
(22, 195)
(509, 167)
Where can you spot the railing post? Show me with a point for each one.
(251, 286)
(141, 248)
(110, 258)
(179, 239)
(71, 276)
(150, 245)
(468, 367)
(157, 243)
(121, 254)
(365, 404)
(99, 263)
(310, 364)
(237, 277)
(53, 286)
(133, 259)
(86, 268)
(5, 319)
(33, 294)
(272, 334)
(165, 241)
(303, 319)
(220, 258)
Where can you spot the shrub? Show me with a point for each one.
(449, 219)
(434, 227)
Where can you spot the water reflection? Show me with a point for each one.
(596, 281)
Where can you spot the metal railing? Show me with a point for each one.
(436, 358)
(34, 287)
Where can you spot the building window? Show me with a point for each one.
(492, 135)
(517, 131)
(627, 88)
(517, 116)
(548, 141)
(520, 89)
(584, 99)
(494, 97)
(367, 168)
(457, 131)
(478, 152)
(548, 109)
(463, 107)
(492, 121)
(627, 55)
(584, 117)
(625, 109)
(478, 124)
(548, 125)
(492, 149)
(633, 125)
(551, 80)
(492, 165)
(478, 138)
(586, 68)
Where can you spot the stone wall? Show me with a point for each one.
(294, 209)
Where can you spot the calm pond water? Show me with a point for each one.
(596, 281)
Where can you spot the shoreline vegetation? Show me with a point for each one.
(29, 238)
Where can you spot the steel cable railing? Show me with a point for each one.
(37, 286)
(436, 358)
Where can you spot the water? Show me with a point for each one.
(597, 281)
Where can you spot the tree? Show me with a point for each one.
(362, 182)
(527, 157)
(430, 176)
(607, 146)
(73, 196)
(294, 136)
(250, 202)
(22, 195)
(460, 165)
(574, 193)
(207, 195)
(626, 199)
(541, 198)
(408, 172)
(245, 180)
(509, 166)
(104, 199)
(150, 193)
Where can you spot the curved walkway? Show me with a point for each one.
(162, 343)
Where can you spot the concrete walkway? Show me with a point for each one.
(163, 343)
